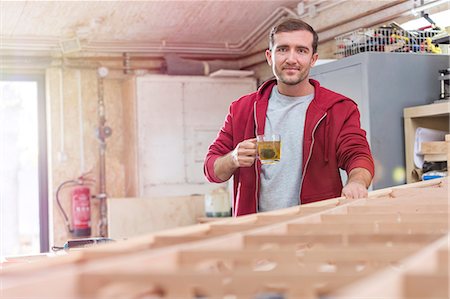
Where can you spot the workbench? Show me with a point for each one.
(392, 245)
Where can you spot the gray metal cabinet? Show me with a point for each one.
(382, 84)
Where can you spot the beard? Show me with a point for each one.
(300, 75)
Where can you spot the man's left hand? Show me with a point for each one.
(358, 181)
(354, 190)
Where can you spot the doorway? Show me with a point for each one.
(23, 172)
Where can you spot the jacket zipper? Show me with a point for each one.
(256, 162)
(310, 154)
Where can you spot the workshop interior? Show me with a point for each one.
(108, 110)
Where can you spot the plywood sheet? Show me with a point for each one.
(128, 217)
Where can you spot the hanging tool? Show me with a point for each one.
(433, 24)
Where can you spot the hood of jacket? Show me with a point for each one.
(323, 100)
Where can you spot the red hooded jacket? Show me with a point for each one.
(333, 139)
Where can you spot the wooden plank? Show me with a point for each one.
(447, 140)
(435, 194)
(300, 241)
(265, 218)
(163, 241)
(430, 286)
(232, 260)
(389, 209)
(433, 147)
(128, 217)
(427, 110)
(410, 132)
(443, 260)
(435, 157)
(210, 219)
(222, 229)
(394, 217)
(384, 227)
(211, 285)
(190, 258)
(159, 285)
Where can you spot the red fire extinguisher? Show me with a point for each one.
(80, 224)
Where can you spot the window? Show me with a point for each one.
(23, 171)
(442, 19)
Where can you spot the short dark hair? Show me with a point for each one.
(292, 24)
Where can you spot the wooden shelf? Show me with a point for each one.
(439, 109)
(433, 116)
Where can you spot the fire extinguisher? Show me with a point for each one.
(80, 224)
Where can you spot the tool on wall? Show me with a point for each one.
(79, 224)
(432, 23)
(444, 80)
(103, 132)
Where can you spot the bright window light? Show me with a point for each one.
(442, 20)
(19, 190)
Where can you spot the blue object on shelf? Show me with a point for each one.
(433, 175)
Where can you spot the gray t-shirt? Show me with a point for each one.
(280, 182)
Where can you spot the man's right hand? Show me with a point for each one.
(243, 155)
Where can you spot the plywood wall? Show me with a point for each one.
(72, 121)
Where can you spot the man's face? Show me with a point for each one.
(292, 56)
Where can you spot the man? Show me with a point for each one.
(320, 132)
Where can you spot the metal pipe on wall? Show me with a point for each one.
(103, 132)
(80, 120)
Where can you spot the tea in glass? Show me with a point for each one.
(269, 148)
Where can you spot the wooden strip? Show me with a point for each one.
(226, 260)
(222, 229)
(162, 241)
(391, 239)
(417, 197)
(280, 241)
(433, 195)
(433, 147)
(430, 286)
(252, 241)
(394, 217)
(422, 184)
(166, 285)
(427, 110)
(389, 209)
(265, 219)
(357, 255)
(447, 141)
(384, 227)
(211, 285)
(443, 260)
(435, 157)
(290, 260)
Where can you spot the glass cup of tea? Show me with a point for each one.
(269, 148)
